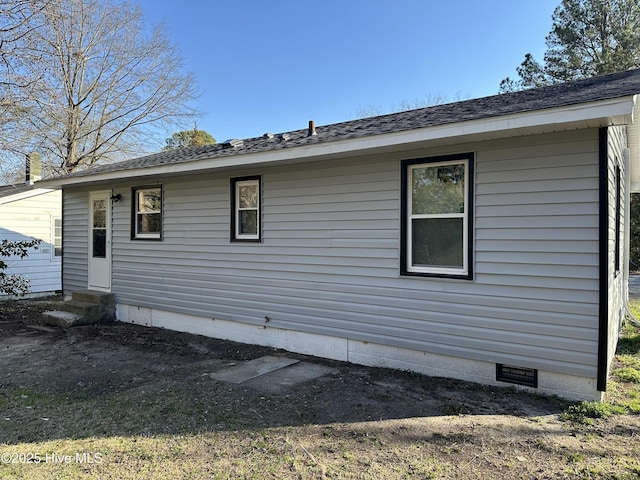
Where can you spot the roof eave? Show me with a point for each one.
(616, 111)
(24, 195)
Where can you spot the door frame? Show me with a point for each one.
(99, 269)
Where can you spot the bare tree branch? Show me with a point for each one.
(103, 84)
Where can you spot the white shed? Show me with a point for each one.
(28, 212)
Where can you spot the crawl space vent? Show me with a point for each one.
(517, 375)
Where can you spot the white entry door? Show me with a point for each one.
(100, 241)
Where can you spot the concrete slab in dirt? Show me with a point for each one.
(288, 377)
(60, 318)
(253, 368)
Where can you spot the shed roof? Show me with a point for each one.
(8, 190)
(12, 193)
(587, 91)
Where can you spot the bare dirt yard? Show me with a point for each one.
(125, 401)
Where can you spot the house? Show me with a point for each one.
(485, 240)
(28, 212)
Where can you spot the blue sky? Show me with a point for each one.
(271, 66)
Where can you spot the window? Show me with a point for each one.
(57, 237)
(245, 209)
(99, 227)
(618, 219)
(436, 225)
(147, 213)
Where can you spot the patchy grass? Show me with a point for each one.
(623, 388)
(628, 374)
(629, 343)
(154, 413)
(624, 383)
(222, 456)
(585, 411)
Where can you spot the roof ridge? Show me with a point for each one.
(575, 92)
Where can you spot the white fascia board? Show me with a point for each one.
(28, 194)
(617, 111)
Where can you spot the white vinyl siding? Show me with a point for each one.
(31, 216)
(329, 259)
(75, 254)
(616, 282)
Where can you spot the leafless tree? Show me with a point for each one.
(429, 100)
(105, 84)
(18, 21)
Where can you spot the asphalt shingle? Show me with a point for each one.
(8, 190)
(572, 93)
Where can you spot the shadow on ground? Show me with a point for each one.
(121, 379)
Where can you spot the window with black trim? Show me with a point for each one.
(246, 209)
(436, 216)
(146, 215)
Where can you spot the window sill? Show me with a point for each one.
(146, 239)
(452, 276)
(246, 240)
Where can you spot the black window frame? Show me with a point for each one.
(405, 224)
(235, 236)
(134, 215)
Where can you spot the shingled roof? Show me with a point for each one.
(562, 95)
(8, 190)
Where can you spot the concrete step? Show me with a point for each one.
(93, 306)
(93, 296)
(80, 308)
(60, 319)
(85, 307)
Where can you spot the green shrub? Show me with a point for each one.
(14, 284)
